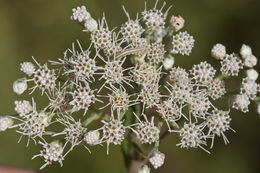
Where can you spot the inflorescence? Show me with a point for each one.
(126, 79)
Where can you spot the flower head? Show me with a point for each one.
(28, 68)
(182, 43)
(157, 160)
(147, 132)
(22, 107)
(51, 152)
(231, 65)
(80, 14)
(154, 18)
(241, 102)
(5, 123)
(203, 72)
(218, 51)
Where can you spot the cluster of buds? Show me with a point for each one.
(131, 71)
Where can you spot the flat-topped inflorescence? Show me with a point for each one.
(127, 79)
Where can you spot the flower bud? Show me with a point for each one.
(144, 169)
(168, 62)
(91, 25)
(5, 122)
(250, 61)
(92, 138)
(157, 160)
(252, 74)
(20, 85)
(245, 51)
(177, 22)
(28, 68)
(218, 51)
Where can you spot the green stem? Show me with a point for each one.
(257, 99)
(90, 119)
(223, 76)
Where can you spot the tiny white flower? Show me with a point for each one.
(157, 160)
(92, 138)
(245, 51)
(218, 51)
(80, 14)
(113, 132)
(168, 63)
(231, 65)
(252, 74)
(182, 43)
(203, 72)
(146, 131)
(22, 107)
(20, 85)
(51, 152)
(155, 18)
(5, 122)
(28, 68)
(250, 61)
(131, 29)
(91, 25)
(241, 102)
(144, 169)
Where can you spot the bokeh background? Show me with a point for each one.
(43, 28)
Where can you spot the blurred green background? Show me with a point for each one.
(43, 28)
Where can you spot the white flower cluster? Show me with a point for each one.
(127, 81)
(231, 64)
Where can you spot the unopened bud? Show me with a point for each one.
(91, 25)
(20, 85)
(218, 51)
(177, 22)
(168, 62)
(250, 61)
(252, 74)
(5, 122)
(144, 169)
(245, 51)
